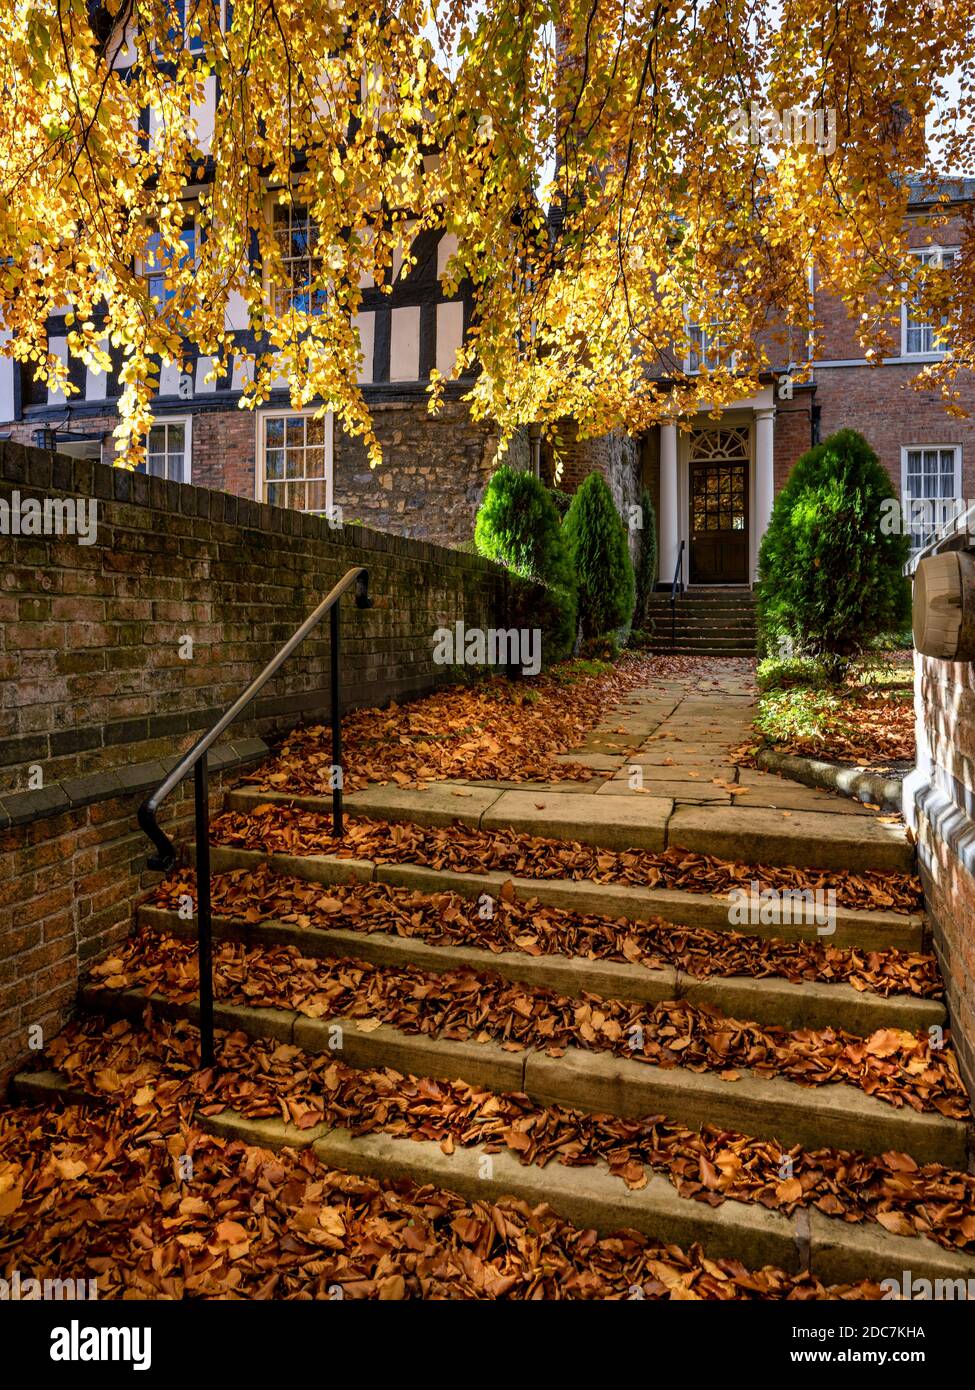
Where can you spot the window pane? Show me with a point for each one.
(314, 463)
(295, 431)
(274, 432)
(275, 463)
(315, 496)
(177, 437)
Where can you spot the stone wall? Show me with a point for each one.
(116, 655)
(939, 803)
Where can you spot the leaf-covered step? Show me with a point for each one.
(858, 1211)
(888, 1091)
(802, 1001)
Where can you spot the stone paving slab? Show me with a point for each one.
(640, 823)
(433, 805)
(688, 790)
(807, 839)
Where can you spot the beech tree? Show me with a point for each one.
(676, 142)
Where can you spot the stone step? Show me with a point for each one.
(770, 999)
(835, 1115)
(591, 1197)
(869, 930)
(805, 839)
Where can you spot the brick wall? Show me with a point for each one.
(96, 699)
(939, 801)
(428, 487)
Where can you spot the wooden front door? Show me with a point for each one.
(718, 473)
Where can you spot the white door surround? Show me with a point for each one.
(758, 413)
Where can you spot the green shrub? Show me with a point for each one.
(550, 608)
(830, 579)
(517, 525)
(597, 543)
(646, 564)
(561, 500)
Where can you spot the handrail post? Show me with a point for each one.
(338, 829)
(203, 910)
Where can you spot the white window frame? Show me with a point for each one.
(273, 205)
(260, 470)
(934, 255)
(191, 220)
(187, 422)
(706, 331)
(189, 6)
(905, 499)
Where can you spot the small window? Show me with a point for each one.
(920, 338)
(931, 490)
(297, 237)
(183, 14)
(168, 451)
(296, 461)
(709, 348)
(155, 273)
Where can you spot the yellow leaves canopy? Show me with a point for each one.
(700, 159)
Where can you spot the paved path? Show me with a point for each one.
(668, 773)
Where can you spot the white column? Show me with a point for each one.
(764, 478)
(668, 521)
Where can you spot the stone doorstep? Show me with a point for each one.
(764, 1000)
(590, 1197)
(834, 1116)
(854, 926)
(806, 839)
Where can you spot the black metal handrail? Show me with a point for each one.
(678, 575)
(196, 759)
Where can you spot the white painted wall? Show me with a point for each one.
(450, 334)
(404, 350)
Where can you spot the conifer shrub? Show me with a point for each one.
(830, 571)
(517, 525)
(597, 543)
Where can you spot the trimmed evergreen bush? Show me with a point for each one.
(646, 564)
(562, 500)
(830, 579)
(597, 542)
(518, 526)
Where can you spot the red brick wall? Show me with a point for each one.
(880, 403)
(94, 694)
(69, 885)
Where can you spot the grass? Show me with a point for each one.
(868, 717)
